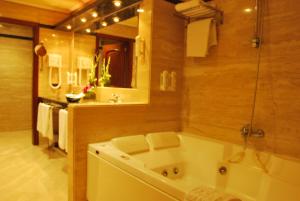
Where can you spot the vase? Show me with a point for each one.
(89, 95)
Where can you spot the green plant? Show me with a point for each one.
(92, 75)
(105, 76)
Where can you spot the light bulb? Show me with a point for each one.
(83, 20)
(104, 23)
(116, 19)
(140, 10)
(88, 30)
(95, 14)
(117, 3)
(248, 10)
(69, 27)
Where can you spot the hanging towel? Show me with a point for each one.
(208, 194)
(201, 35)
(45, 121)
(63, 130)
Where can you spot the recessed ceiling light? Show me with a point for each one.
(95, 14)
(116, 19)
(104, 23)
(117, 3)
(248, 10)
(88, 30)
(140, 10)
(83, 20)
(53, 35)
(69, 27)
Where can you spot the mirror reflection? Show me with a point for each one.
(115, 48)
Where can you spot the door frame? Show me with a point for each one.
(35, 71)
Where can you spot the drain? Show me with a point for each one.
(222, 170)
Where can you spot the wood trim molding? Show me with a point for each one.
(35, 86)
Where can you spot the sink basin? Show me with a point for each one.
(74, 98)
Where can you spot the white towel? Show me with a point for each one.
(201, 35)
(181, 7)
(45, 121)
(63, 129)
(208, 194)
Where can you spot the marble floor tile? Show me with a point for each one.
(30, 173)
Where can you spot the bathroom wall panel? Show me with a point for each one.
(278, 99)
(29, 13)
(219, 89)
(15, 84)
(90, 123)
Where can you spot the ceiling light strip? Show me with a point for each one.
(89, 23)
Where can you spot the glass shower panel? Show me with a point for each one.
(277, 109)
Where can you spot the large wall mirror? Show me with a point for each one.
(114, 35)
(115, 46)
(88, 44)
(116, 43)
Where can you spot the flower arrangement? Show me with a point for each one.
(105, 76)
(89, 90)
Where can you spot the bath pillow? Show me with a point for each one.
(131, 144)
(163, 140)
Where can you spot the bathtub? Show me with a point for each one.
(168, 166)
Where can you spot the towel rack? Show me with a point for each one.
(215, 12)
(53, 103)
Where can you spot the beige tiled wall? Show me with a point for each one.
(15, 80)
(218, 90)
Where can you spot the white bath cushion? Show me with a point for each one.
(131, 144)
(163, 140)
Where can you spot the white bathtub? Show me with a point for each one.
(114, 175)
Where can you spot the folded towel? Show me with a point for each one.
(63, 130)
(181, 7)
(201, 35)
(45, 121)
(208, 194)
(194, 8)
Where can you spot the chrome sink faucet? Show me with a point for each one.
(115, 98)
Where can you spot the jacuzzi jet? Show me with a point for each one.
(175, 170)
(164, 173)
(222, 170)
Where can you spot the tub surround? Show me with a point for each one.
(219, 89)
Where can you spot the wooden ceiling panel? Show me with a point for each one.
(66, 6)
